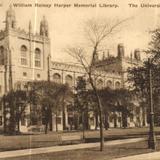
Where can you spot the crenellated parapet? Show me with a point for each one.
(67, 67)
(132, 60)
(106, 61)
(107, 73)
(21, 33)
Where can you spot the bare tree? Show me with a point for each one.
(96, 33)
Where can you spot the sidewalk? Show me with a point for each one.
(26, 152)
(146, 156)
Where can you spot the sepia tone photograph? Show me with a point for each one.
(79, 79)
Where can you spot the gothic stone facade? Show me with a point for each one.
(25, 56)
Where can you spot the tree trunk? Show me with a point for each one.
(75, 122)
(83, 125)
(106, 121)
(64, 118)
(46, 127)
(115, 121)
(12, 121)
(18, 126)
(101, 130)
(124, 120)
(56, 124)
(50, 122)
(4, 114)
(100, 113)
(50, 119)
(87, 120)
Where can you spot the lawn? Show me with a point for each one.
(109, 153)
(41, 140)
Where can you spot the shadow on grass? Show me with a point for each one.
(135, 148)
(109, 138)
(36, 141)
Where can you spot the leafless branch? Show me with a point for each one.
(97, 31)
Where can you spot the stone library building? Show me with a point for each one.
(25, 56)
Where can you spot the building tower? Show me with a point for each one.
(44, 27)
(120, 51)
(30, 27)
(10, 18)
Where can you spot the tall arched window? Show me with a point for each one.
(57, 78)
(1, 55)
(37, 57)
(69, 80)
(117, 85)
(99, 83)
(109, 83)
(23, 55)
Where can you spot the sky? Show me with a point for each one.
(66, 24)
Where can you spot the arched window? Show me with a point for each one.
(69, 80)
(117, 85)
(109, 83)
(18, 86)
(57, 78)
(88, 85)
(99, 83)
(37, 57)
(1, 55)
(79, 78)
(23, 55)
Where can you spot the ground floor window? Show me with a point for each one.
(36, 115)
(23, 120)
(111, 118)
(58, 120)
(131, 118)
(70, 120)
(92, 121)
(119, 119)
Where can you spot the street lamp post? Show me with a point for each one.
(152, 138)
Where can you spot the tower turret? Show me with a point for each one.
(120, 50)
(137, 54)
(30, 27)
(44, 27)
(10, 18)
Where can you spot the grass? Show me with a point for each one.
(41, 140)
(110, 152)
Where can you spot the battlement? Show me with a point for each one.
(132, 60)
(65, 66)
(24, 34)
(21, 33)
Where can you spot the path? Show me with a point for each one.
(26, 152)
